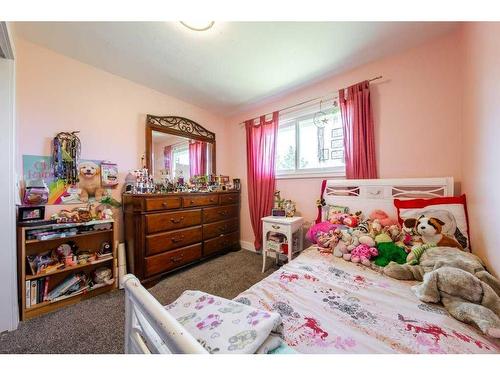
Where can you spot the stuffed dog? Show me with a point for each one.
(90, 181)
(430, 230)
(466, 298)
(436, 258)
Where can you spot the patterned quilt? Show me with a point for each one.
(329, 305)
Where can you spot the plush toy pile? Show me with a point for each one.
(354, 238)
(449, 275)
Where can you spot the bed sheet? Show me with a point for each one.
(329, 305)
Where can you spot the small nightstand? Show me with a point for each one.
(284, 225)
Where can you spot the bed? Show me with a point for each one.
(329, 305)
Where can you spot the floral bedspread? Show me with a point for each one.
(329, 305)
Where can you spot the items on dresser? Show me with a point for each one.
(57, 264)
(166, 232)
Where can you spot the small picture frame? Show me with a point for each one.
(109, 174)
(30, 213)
(278, 212)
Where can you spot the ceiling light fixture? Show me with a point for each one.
(198, 26)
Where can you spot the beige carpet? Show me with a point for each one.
(96, 325)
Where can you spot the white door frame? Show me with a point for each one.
(9, 314)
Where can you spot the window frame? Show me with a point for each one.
(306, 172)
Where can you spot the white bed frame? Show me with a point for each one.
(368, 195)
(149, 328)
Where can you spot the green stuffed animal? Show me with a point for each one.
(388, 251)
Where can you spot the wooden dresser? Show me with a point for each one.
(168, 231)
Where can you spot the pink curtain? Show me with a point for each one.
(197, 158)
(359, 137)
(261, 147)
(167, 159)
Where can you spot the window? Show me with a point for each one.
(180, 157)
(303, 148)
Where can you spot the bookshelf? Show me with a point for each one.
(36, 240)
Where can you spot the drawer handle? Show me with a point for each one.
(164, 204)
(175, 239)
(223, 213)
(191, 201)
(177, 259)
(276, 226)
(173, 220)
(212, 200)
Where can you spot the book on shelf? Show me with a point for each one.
(28, 293)
(33, 293)
(45, 289)
(64, 286)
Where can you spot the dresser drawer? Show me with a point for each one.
(200, 200)
(165, 203)
(158, 243)
(172, 259)
(219, 213)
(172, 220)
(229, 198)
(220, 243)
(220, 227)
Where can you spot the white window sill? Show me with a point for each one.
(304, 175)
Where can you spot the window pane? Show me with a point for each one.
(321, 147)
(285, 147)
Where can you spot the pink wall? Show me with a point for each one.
(417, 110)
(481, 135)
(56, 93)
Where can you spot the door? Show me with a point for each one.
(8, 264)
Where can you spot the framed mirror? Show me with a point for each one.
(178, 146)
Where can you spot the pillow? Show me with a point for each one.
(323, 226)
(451, 212)
(333, 209)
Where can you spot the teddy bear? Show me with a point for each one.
(362, 254)
(348, 240)
(382, 217)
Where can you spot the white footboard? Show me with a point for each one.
(149, 328)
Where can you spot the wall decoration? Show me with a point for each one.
(109, 174)
(88, 188)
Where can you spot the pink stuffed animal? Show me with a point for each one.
(363, 253)
(382, 218)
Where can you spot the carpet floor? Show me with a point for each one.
(96, 326)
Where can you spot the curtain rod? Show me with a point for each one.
(305, 102)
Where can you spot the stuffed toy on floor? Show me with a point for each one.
(466, 298)
(435, 258)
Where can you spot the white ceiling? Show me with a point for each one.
(235, 64)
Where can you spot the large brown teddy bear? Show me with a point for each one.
(459, 280)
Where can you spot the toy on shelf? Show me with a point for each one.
(36, 192)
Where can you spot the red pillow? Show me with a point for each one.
(451, 210)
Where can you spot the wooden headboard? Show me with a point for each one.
(368, 195)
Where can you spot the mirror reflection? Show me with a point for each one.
(180, 156)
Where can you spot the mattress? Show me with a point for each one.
(329, 305)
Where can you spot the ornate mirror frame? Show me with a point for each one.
(180, 126)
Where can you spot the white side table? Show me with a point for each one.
(284, 225)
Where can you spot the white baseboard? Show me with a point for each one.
(245, 245)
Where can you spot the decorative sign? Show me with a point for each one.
(37, 167)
